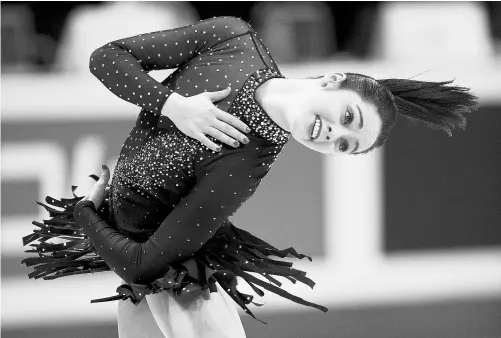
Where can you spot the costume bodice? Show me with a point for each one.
(158, 165)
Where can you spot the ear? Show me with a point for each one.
(332, 80)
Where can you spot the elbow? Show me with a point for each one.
(127, 278)
(96, 55)
(237, 25)
(134, 273)
(137, 277)
(131, 276)
(128, 268)
(241, 25)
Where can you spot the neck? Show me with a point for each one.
(276, 96)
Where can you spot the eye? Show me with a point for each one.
(348, 116)
(343, 145)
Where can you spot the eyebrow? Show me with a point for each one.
(361, 123)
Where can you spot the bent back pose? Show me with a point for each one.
(164, 228)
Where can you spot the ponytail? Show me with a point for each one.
(436, 104)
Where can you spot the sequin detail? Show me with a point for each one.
(248, 109)
(165, 153)
(170, 194)
(158, 162)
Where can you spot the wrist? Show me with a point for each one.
(174, 101)
(81, 212)
(85, 204)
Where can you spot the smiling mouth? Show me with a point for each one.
(315, 128)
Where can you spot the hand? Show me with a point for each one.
(197, 116)
(99, 190)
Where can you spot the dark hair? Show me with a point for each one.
(439, 106)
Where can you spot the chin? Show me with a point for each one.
(322, 151)
(311, 145)
(303, 138)
(301, 133)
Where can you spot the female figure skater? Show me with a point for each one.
(162, 224)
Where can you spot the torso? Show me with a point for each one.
(158, 165)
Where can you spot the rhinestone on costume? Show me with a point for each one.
(158, 165)
(249, 111)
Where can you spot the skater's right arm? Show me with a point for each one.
(123, 65)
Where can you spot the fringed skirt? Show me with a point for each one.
(231, 252)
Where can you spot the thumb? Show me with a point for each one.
(105, 174)
(219, 95)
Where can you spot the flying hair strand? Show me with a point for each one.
(437, 104)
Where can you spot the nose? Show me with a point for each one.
(328, 132)
(333, 131)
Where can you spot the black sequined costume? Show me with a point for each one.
(166, 224)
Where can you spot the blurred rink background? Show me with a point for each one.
(406, 241)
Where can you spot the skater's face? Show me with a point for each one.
(335, 121)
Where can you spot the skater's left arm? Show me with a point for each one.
(226, 184)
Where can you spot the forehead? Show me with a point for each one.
(372, 125)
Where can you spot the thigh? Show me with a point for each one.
(200, 314)
(136, 321)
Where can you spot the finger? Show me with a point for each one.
(232, 120)
(100, 186)
(230, 131)
(219, 95)
(208, 143)
(97, 192)
(105, 175)
(216, 133)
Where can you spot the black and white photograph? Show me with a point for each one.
(231, 169)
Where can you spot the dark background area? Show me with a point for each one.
(354, 21)
(442, 192)
(50, 18)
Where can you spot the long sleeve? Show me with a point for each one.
(227, 183)
(123, 65)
